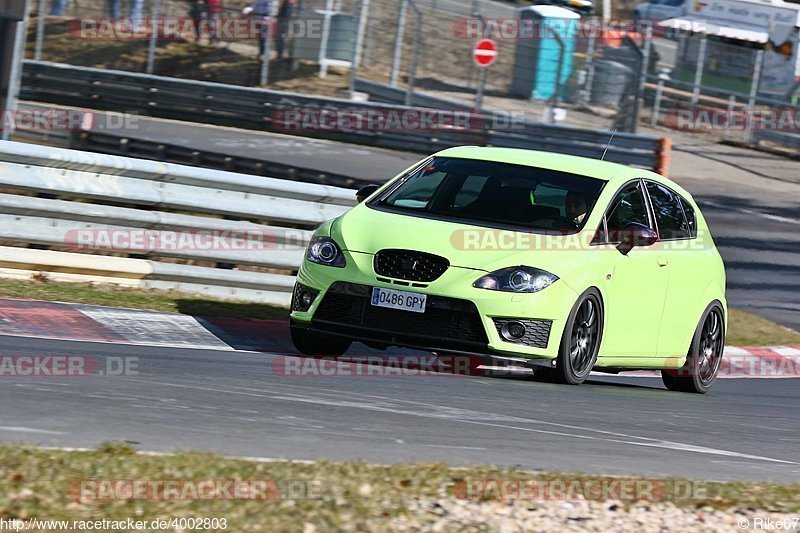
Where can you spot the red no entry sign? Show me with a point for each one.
(484, 53)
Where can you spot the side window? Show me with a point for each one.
(418, 194)
(668, 212)
(470, 190)
(691, 217)
(629, 206)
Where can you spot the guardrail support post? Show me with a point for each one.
(663, 149)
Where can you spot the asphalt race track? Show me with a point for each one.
(236, 403)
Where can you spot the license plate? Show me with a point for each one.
(406, 301)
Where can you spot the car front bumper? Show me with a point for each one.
(458, 318)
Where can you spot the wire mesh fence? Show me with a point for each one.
(740, 92)
(561, 67)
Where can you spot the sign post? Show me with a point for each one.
(12, 40)
(484, 53)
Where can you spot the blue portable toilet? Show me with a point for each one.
(538, 51)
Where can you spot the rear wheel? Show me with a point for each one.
(580, 341)
(313, 343)
(705, 355)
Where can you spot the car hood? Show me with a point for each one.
(368, 230)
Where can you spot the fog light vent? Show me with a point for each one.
(303, 297)
(533, 333)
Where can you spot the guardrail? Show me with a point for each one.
(260, 109)
(107, 143)
(77, 203)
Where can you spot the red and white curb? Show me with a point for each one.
(54, 320)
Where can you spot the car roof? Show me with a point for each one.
(614, 173)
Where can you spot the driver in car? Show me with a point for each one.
(575, 207)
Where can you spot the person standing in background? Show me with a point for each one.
(134, 9)
(113, 9)
(197, 13)
(285, 14)
(263, 10)
(213, 13)
(58, 8)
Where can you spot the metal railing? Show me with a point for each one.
(126, 145)
(50, 196)
(259, 109)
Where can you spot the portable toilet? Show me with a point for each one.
(547, 37)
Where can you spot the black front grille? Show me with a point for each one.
(409, 265)
(537, 332)
(446, 322)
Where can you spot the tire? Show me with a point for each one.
(313, 343)
(580, 342)
(702, 363)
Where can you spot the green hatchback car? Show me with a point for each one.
(563, 263)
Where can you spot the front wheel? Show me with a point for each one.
(705, 355)
(580, 342)
(313, 343)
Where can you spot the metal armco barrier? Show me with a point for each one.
(105, 143)
(229, 105)
(104, 195)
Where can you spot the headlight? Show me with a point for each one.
(516, 279)
(325, 251)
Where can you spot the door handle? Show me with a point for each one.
(662, 262)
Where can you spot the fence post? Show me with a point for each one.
(151, 48)
(657, 103)
(731, 111)
(355, 58)
(663, 149)
(363, 15)
(640, 83)
(40, 24)
(587, 84)
(14, 75)
(412, 72)
(751, 102)
(267, 50)
(323, 45)
(698, 71)
(559, 69)
(398, 43)
(369, 38)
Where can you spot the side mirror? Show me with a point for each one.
(635, 234)
(365, 192)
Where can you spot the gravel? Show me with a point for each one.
(450, 514)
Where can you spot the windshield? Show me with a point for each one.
(487, 192)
